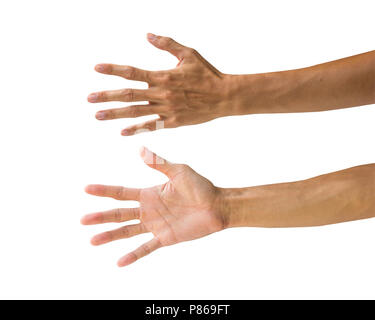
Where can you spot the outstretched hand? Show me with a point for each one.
(186, 207)
(193, 92)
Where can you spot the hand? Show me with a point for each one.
(184, 208)
(193, 92)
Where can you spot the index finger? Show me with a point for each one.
(127, 72)
(115, 192)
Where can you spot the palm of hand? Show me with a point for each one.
(181, 209)
(184, 208)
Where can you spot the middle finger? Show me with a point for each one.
(125, 95)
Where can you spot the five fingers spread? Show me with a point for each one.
(117, 192)
(155, 94)
(127, 214)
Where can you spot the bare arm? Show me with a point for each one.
(188, 206)
(338, 84)
(331, 198)
(196, 92)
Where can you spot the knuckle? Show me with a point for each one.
(162, 78)
(174, 121)
(120, 193)
(129, 72)
(182, 166)
(151, 110)
(133, 112)
(125, 232)
(167, 41)
(118, 215)
(169, 109)
(133, 213)
(134, 255)
(102, 95)
(191, 51)
(168, 95)
(166, 78)
(128, 94)
(110, 235)
(110, 114)
(148, 126)
(146, 249)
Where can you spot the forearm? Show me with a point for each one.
(338, 84)
(332, 198)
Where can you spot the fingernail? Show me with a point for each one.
(99, 67)
(125, 132)
(151, 36)
(100, 115)
(92, 97)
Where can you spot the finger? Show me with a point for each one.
(140, 252)
(125, 95)
(128, 112)
(150, 125)
(168, 44)
(158, 163)
(115, 215)
(117, 234)
(126, 72)
(115, 192)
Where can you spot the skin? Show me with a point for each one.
(188, 206)
(181, 209)
(195, 92)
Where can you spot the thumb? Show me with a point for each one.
(168, 44)
(158, 163)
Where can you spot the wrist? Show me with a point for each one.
(222, 208)
(234, 206)
(257, 93)
(260, 206)
(237, 94)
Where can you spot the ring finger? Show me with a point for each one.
(129, 112)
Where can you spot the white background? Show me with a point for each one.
(52, 146)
